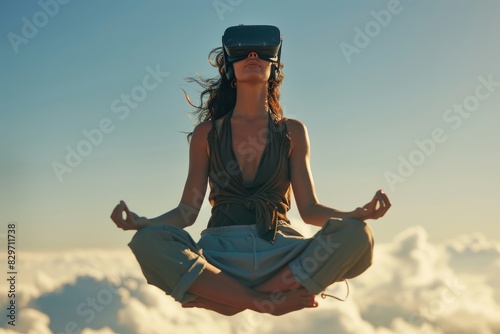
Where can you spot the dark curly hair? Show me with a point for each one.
(218, 97)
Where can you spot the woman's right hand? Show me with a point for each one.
(375, 209)
(132, 220)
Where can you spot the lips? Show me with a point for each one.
(252, 64)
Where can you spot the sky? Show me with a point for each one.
(396, 95)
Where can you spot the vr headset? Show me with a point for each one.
(239, 41)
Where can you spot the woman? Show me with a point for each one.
(249, 257)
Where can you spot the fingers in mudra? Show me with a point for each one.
(383, 203)
(122, 217)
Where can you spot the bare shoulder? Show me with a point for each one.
(201, 131)
(296, 130)
(202, 128)
(294, 124)
(199, 138)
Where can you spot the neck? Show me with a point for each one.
(251, 101)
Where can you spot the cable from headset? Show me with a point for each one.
(324, 295)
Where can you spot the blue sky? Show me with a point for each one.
(365, 111)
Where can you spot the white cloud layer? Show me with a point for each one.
(414, 287)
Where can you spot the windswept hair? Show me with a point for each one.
(218, 97)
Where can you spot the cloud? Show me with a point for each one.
(104, 330)
(421, 285)
(469, 254)
(414, 287)
(33, 321)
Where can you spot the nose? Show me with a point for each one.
(253, 54)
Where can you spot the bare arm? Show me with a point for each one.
(195, 188)
(311, 211)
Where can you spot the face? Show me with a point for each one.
(252, 69)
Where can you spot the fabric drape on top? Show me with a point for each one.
(266, 199)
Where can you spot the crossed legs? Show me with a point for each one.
(342, 249)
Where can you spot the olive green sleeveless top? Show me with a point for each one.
(266, 199)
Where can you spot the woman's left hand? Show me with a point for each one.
(375, 209)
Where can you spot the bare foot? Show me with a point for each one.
(212, 305)
(277, 303)
(280, 303)
(282, 281)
